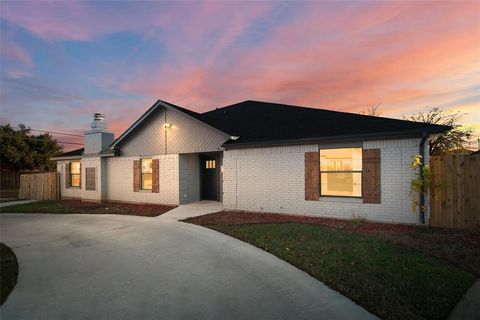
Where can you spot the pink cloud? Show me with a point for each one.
(72, 20)
(350, 62)
(12, 51)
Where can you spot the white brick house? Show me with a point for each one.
(254, 156)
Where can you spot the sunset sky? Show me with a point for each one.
(62, 61)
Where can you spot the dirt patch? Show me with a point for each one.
(146, 210)
(460, 247)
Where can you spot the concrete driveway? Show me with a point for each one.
(125, 267)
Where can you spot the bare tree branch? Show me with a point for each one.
(373, 110)
(451, 142)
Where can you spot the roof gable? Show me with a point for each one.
(187, 134)
(154, 108)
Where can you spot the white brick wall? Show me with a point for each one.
(119, 179)
(97, 193)
(81, 192)
(117, 175)
(272, 180)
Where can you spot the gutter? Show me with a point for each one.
(422, 165)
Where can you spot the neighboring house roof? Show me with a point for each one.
(257, 122)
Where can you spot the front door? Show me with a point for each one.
(209, 168)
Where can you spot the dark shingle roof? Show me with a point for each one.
(76, 152)
(256, 121)
(264, 122)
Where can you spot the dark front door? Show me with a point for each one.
(209, 168)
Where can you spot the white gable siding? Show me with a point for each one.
(272, 180)
(186, 135)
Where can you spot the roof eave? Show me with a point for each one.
(66, 157)
(353, 137)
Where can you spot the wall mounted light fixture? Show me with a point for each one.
(167, 125)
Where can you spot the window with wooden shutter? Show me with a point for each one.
(136, 175)
(90, 179)
(75, 170)
(155, 176)
(312, 176)
(341, 172)
(146, 172)
(371, 182)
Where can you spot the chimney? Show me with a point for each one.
(98, 139)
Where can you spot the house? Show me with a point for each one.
(255, 156)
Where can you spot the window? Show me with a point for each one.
(341, 172)
(146, 174)
(210, 164)
(75, 174)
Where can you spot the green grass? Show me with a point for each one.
(36, 207)
(81, 207)
(8, 272)
(391, 281)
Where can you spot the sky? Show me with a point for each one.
(63, 61)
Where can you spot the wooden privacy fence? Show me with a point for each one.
(9, 179)
(455, 198)
(40, 186)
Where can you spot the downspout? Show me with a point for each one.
(422, 164)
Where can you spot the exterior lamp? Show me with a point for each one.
(167, 125)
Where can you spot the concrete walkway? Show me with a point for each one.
(469, 307)
(126, 267)
(192, 210)
(14, 203)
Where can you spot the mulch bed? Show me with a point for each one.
(460, 247)
(146, 210)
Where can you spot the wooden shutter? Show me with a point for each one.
(136, 175)
(80, 176)
(312, 176)
(371, 176)
(155, 176)
(67, 175)
(90, 179)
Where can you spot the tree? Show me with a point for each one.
(451, 142)
(373, 110)
(22, 150)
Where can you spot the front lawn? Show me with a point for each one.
(77, 206)
(8, 272)
(389, 280)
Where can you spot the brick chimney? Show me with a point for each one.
(97, 139)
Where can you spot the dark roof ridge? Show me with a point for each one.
(322, 109)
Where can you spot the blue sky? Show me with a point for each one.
(62, 61)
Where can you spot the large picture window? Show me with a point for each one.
(75, 174)
(146, 174)
(341, 172)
